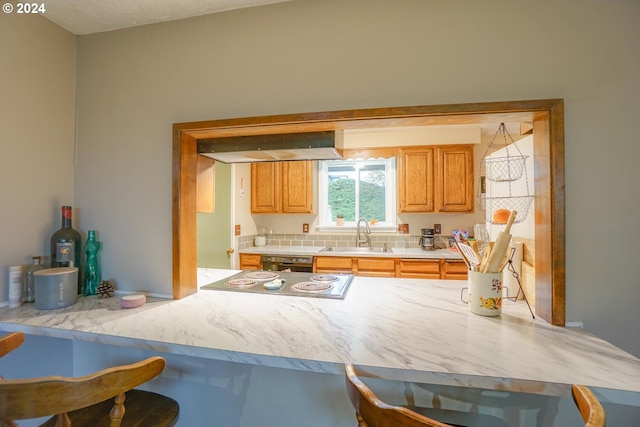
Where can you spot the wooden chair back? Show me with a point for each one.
(372, 412)
(10, 342)
(64, 396)
(590, 408)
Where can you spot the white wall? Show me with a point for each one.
(37, 119)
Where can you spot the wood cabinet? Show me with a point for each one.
(416, 179)
(448, 269)
(376, 267)
(265, 187)
(436, 179)
(454, 184)
(205, 184)
(333, 264)
(454, 270)
(419, 268)
(282, 187)
(250, 261)
(297, 187)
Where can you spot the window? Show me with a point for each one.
(358, 188)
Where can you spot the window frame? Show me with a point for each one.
(325, 222)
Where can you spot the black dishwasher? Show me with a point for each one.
(293, 263)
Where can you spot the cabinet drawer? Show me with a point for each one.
(376, 264)
(455, 270)
(250, 261)
(376, 267)
(332, 263)
(419, 268)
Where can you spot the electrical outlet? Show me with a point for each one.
(437, 228)
(305, 228)
(237, 229)
(403, 228)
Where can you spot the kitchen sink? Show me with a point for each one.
(353, 249)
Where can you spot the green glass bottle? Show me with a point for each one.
(92, 275)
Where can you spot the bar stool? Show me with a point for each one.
(373, 412)
(96, 400)
(590, 408)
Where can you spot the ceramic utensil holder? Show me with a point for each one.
(484, 293)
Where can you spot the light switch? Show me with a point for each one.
(237, 229)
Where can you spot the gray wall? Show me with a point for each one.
(37, 119)
(315, 55)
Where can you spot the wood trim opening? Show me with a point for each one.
(547, 117)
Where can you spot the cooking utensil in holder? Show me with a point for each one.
(480, 289)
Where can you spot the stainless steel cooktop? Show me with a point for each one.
(295, 284)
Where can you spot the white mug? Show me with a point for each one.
(485, 293)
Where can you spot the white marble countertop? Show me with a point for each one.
(316, 251)
(411, 329)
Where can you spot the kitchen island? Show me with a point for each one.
(403, 329)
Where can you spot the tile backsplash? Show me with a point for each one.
(323, 240)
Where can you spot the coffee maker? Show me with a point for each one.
(427, 240)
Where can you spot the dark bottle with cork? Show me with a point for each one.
(66, 245)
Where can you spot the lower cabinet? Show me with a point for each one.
(419, 268)
(454, 270)
(376, 267)
(250, 261)
(392, 267)
(333, 264)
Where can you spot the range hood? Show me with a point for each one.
(272, 147)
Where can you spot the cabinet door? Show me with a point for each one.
(416, 183)
(455, 179)
(250, 262)
(265, 187)
(297, 187)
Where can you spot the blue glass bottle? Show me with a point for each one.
(92, 276)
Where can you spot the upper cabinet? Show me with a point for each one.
(282, 187)
(265, 187)
(454, 186)
(416, 170)
(436, 179)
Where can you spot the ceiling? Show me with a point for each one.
(95, 16)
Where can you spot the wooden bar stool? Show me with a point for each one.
(96, 400)
(590, 408)
(373, 412)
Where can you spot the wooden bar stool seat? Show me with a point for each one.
(102, 399)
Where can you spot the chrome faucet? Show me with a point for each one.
(360, 241)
